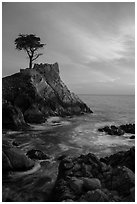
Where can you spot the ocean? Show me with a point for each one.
(79, 134)
(70, 136)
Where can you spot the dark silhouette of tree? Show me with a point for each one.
(30, 44)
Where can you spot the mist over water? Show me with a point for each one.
(70, 136)
(76, 135)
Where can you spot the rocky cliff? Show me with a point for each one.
(32, 95)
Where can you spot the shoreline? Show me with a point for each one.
(49, 169)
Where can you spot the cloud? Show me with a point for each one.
(92, 48)
(92, 42)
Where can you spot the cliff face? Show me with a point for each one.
(34, 94)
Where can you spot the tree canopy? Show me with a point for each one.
(30, 43)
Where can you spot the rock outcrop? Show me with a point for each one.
(118, 130)
(32, 95)
(122, 158)
(13, 159)
(88, 179)
(37, 155)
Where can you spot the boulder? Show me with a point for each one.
(37, 154)
(122, 158)
(123, 180)
(62, 191)
(128, 128)
(132, 137)
(96, 196)
(87, 179)
(15, 160)
(118, 130)
(112, 130)
(76, 185)
(91, 183)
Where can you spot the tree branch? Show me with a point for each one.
(28, 52)
(36, 56)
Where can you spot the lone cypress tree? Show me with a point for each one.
(30, 44)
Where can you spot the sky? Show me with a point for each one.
(93, 42)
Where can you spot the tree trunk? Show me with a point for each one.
(30, 62)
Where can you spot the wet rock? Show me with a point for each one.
(132, 137)
(128, 128)
(66, 164)
(37, 154)
(15, 143)
(6, 164)
(112, 130)
(96, 196)
(122, 158)
(76, 167)
(14, 160)
(118, 130)
(76, 185)
(62, 191)
(88, 179)
(123, 180)
(91, 183)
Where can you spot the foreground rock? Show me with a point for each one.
(88, 179)
(122, 158)
(32, 95)
(12, 117)
(118, 130)
(37, 154)
(13, 159)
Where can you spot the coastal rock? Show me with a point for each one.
(37, 154)
(76, 185)
(6, 164)
(112, 130)
(118, 130)
(132, 137)
(95, 196)
(14, 160)
(89, 179)
(35, 94)
(122, 158)
(12, 117)
(123, 179)
(128, 128)
(91, 183)
(34, 115)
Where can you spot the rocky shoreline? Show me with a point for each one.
(118, 130)
(88, 179)
(32, 95)
(80, 179)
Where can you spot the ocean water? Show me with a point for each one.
(70, 136)
(79, 134)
